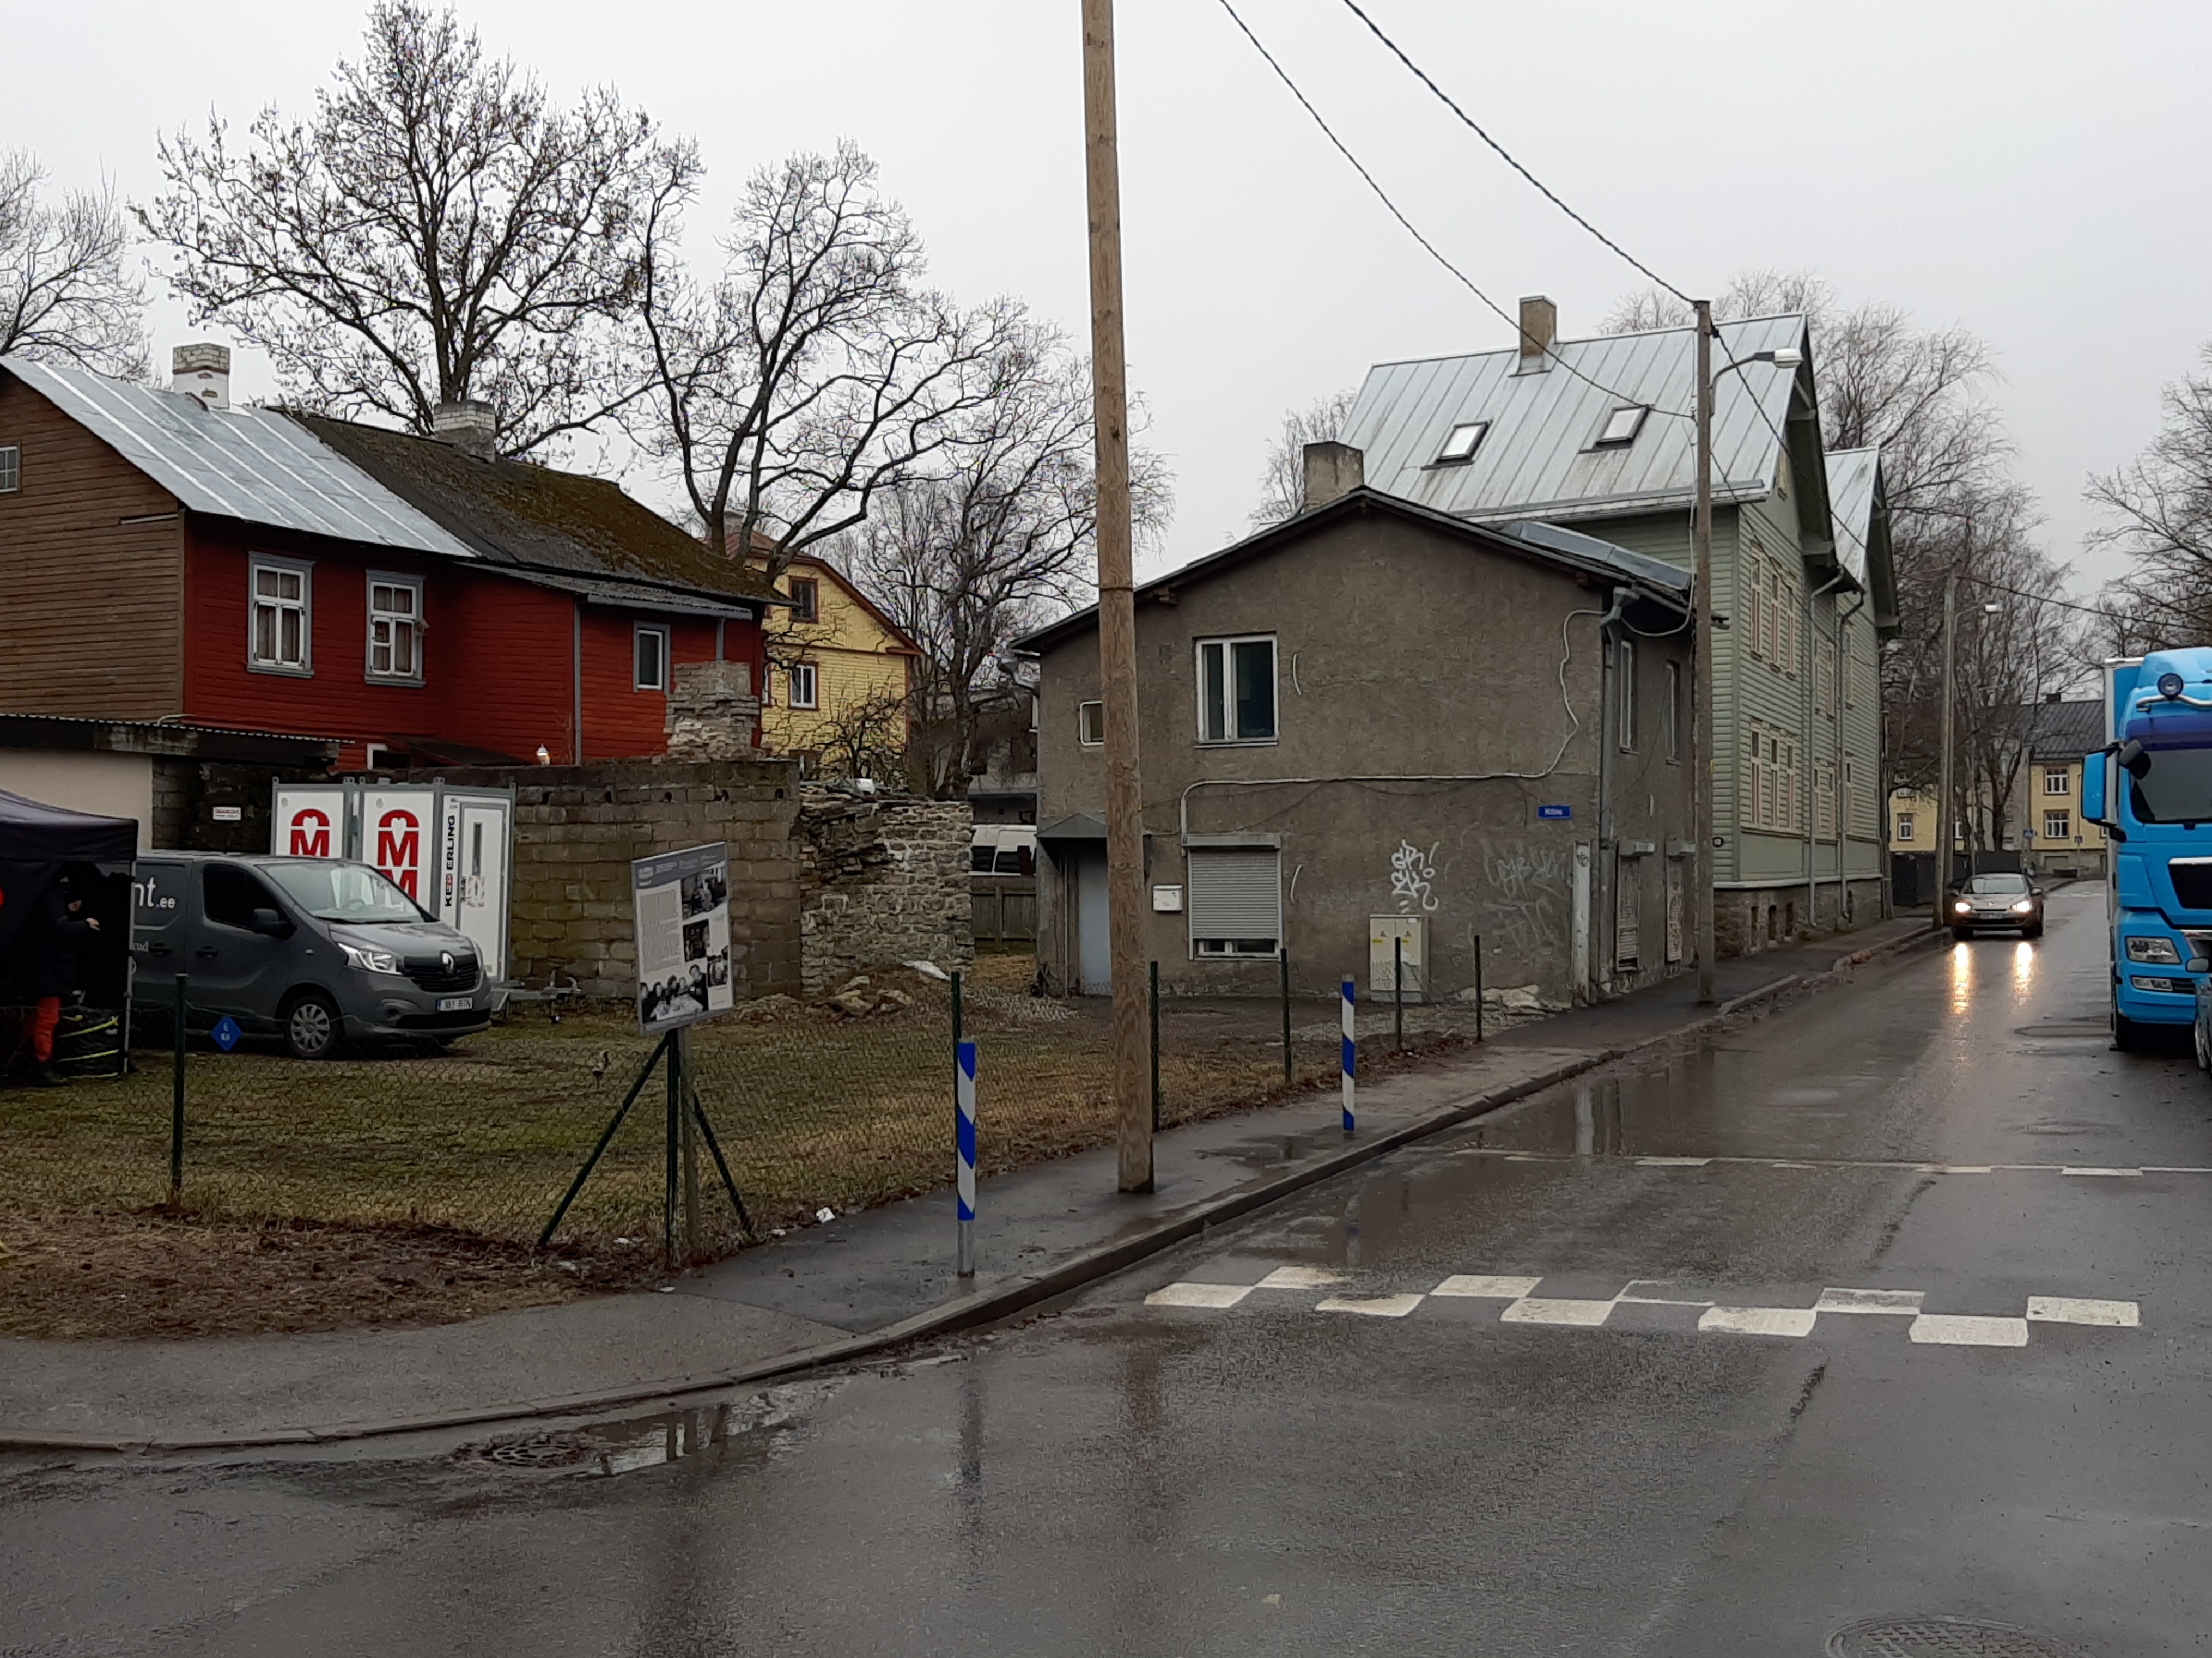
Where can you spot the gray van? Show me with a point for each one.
(315, 950)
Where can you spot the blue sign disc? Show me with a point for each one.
(226, 1033)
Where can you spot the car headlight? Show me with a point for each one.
(2023, 907)
(1962, 907)
(375, 961)
(2154, 950)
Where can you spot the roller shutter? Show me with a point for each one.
(1236, 900)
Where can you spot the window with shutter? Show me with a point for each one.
(1627, 929)
(1236, 901)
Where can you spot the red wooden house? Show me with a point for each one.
(412, 600)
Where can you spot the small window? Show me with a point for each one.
(11, 469)
(1236, 689)
(651, 659)
(1459, 448)
(1090, 724)
(1907, 827)
(2058, 825)
(1675, 710)
(805, 682)
(1624, 669)
(1236, 900)
(395, 627)
(280, 638)
(805, 599)
(1621, 426)
(2057, 780)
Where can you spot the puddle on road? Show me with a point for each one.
(601, 1449)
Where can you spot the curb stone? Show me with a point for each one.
(1003, 1299)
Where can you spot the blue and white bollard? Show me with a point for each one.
(964, 1094)
(1350, 1053)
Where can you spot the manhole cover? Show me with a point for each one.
(1942, 1637)
(533, 1451)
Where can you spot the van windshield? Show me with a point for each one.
(333, 890)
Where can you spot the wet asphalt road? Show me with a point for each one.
(1122, 1476)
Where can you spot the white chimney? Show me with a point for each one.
(1540, 327)
(202, 371)
(469, 426)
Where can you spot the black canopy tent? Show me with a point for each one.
(37, 842)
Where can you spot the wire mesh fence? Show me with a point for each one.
(833, 1103)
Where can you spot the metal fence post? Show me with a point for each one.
(1398, 988)
(1477, 987)
(177, 1102)
(964, 1083)
(1288, 1075)
(1156, 1047)
(1351, 1050)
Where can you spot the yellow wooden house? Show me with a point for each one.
(840, 675)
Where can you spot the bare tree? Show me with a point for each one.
(1282, 480)
(816, 369)
(2160, 504)
(866, 737)
(438, 232)
(64, 294)
(992, 538)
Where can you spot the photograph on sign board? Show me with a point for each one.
(683, 913)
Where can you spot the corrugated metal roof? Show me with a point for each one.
(1536, 459)
(253, 464)
(2067, 731)
(1851, 474)
(636, 595)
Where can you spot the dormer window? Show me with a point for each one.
(1621, 426)
(1459, 448)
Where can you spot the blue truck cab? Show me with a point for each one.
(2150, 789)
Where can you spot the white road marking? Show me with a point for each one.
(1300, 1278)
(2177, 1168)
(1585, 1315)
(1955, 1330)
(2117, 1174)
(1671, 1163)
(1199, 1295)
(1951, 1168)
(1373, 1306)
(1759, 1320)
(2066, 1310)
(1870, 1301)
(1494, 1288)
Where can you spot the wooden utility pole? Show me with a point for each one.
(1117, 608)
(1701, 677)
(1944, 831)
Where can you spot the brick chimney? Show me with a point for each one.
(469, 426)
(1332, 470)
(202, 371)
(1540, 327)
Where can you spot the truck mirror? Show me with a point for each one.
(2093, 788)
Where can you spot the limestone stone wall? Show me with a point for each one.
(882, 879)
(712, 713)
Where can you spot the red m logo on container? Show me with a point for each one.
(399, 848)
(310, 833)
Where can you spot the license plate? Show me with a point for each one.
(452, 1005)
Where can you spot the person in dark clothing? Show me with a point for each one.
(47, 961)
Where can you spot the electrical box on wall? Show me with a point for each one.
(1396, 942)
(1167, 901)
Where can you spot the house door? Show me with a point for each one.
(1094, 956)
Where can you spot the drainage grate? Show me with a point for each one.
(547, 1451)
(1943, 1638)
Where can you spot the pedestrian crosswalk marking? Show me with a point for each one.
(1522, 1305)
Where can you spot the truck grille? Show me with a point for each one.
(2192, 882)
(430, 973)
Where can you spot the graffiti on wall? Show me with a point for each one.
(1413, 876)
(1528, 896)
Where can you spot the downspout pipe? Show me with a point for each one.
(1608, 744)
(1835, 781)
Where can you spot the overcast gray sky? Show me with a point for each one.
(2016, 166)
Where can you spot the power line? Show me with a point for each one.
(1506, 156)
(1413, 230)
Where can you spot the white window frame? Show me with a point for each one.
(1624, 693)
(1907, 827)
(255, 564)
(1227, 644)
(638, 632)
(1090, 727)
(411, 620)
(1457, 452)
(807, 675)
(2065, 832)
(11, 468)
(2061, 776)
(1619, 434)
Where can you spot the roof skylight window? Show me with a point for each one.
(1621, 426)
(1459, 448)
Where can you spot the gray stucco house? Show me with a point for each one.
(1596, 435)
(1381, 720)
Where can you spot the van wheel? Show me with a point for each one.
(313, 1027)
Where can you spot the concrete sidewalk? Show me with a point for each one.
(859, 1283)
